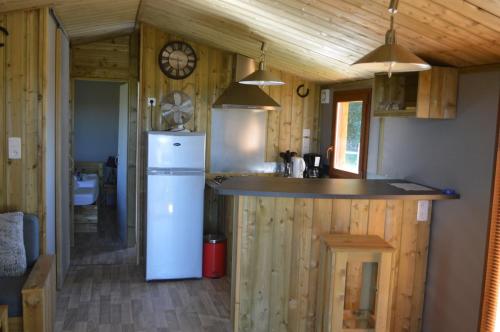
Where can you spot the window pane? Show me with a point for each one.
(348, 136)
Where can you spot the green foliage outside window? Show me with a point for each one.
(354, 132)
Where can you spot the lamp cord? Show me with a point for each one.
(151, 102)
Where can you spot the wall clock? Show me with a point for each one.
(177, 60)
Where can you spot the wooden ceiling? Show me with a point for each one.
(316, 39)
(86, 20)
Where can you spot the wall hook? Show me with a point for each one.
(300, 94)
(5, 33)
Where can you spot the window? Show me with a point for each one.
(349, 134)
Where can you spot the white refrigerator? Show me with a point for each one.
(175, 194)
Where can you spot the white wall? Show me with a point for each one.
(96, 120)
(122, 164)
(455, 154)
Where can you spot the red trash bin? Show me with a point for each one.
(214, 256)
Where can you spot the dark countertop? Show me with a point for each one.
(322, 188)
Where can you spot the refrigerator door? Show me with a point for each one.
(174, 225)
(176, 150)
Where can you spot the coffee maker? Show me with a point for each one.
(313, 165)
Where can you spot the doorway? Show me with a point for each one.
(348, 151)
(100, 228)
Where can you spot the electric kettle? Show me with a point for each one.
(298, 167)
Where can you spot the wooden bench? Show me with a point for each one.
(337, 251)
(39, 299)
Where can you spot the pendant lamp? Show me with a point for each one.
(391, 57)
(261, 76)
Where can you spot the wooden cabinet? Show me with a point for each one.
(430, 94)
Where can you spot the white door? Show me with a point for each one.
(63, 158)
(121, 189)
(174, 225)
(176, 150)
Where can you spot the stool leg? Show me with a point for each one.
(338, 297)
(383, 291)
(322, 287)
(4, 318)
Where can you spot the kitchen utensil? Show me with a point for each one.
(313, 165)
(298, 167)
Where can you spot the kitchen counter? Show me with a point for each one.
(274, 225)
(269, 186)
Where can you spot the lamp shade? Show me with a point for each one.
(261, 77)
(391, 58)
(238, 96)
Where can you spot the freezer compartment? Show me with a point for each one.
(174, 226)
(176, 150)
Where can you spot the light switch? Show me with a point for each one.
(306, 140)
(325, 96)
(14, 147)
(423, 211)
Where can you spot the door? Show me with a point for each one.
(176, 150)
(347, 154)
(174, 229)
(121, 190)
(63, 158)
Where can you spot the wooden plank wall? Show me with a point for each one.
(105, 59)
(115, 59)
(212, 75)
(22, 113)
(278, 241)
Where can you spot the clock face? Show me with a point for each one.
(177, 60)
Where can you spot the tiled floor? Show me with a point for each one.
(103, 247)
(105, 291)
(116, 298)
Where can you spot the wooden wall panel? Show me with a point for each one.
(211, 77)
(21, 112)
(106, 59)
(133, 82)
(280, 259)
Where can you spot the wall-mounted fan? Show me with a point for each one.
(176, 110)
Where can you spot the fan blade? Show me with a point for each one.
(166, 107)
(177, 98)
(186, 103)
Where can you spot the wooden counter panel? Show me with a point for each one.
(277, 241)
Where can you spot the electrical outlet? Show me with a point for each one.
(151, 101)
(423, 211)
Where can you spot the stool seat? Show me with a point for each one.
(337, 251)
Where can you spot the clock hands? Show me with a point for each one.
(177, 60)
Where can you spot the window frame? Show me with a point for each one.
(365, 95)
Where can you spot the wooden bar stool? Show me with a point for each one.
(337, 251)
